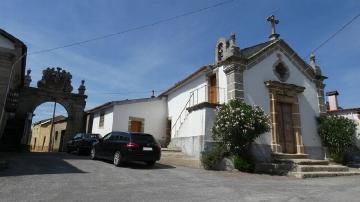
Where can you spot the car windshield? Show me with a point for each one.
(93, 136)
(141, 137)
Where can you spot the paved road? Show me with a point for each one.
(64, 177)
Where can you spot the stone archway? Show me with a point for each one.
(55, 86)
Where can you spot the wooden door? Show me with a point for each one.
(135, 126)
(285, 127)
(213, 89)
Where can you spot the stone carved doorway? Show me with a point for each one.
(285, 117)
(55, 86)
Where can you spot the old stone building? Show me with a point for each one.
(12, 72)
(43, 140)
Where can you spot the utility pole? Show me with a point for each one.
(51, 142)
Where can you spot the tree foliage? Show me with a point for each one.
(238, 124)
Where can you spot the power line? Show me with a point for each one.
(135, 28)
(336, 33)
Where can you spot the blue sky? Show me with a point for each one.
(135, 63)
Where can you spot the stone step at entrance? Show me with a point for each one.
(302, 161)
(289, 156)
(175, 157)
(300, 166)
(304, 175)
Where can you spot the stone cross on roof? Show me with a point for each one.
(273, 22)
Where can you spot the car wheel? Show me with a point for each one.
(150, 163)
(93, 154)
(117, 159)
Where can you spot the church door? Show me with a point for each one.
(213, 89)
(285, 127)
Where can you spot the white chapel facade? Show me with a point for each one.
(270, 75)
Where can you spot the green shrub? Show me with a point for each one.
(238, 124)
(244, 163)
(336, 133)
(211, 158)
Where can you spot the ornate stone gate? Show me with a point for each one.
(55, 86)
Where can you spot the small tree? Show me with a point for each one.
(238, 124)
(336, 133)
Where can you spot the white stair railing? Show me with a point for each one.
(197, 96)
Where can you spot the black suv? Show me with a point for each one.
(127, 146)
(82, 142)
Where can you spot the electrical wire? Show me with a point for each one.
(336, 33)
(135, 28)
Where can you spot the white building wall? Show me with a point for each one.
(153, 112)
(178, 99)
(108, 122)
(257, 93)
(222, 83)
(6, 43)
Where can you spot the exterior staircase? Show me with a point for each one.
(300, 166)
(175, 157)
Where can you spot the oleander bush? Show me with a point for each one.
(238, 124)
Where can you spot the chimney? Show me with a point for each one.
(332, 99)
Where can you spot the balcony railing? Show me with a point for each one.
(203, 94)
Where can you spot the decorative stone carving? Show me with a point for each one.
(281, 71)
(273, 22)
(82, 88)
(56, 80)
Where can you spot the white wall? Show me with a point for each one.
(257, 93)
(108, 122)
(178, 99)
(6, 43)
(154, 112)
(222, 84)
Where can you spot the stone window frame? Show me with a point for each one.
(142, 120)
(282, 78)
(285, 93)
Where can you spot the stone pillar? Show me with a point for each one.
(234, 77)
(320, 91)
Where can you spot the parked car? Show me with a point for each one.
(121, 147)
(82, 142)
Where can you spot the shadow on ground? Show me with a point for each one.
(38, 163)
(141, 165)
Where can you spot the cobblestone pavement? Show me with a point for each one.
(65, 177)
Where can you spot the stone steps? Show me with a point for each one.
(300, 166)
(354, 164)
(304, 175)
(321, 168)
(177, 158)
(303, 161)
(289, 156)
